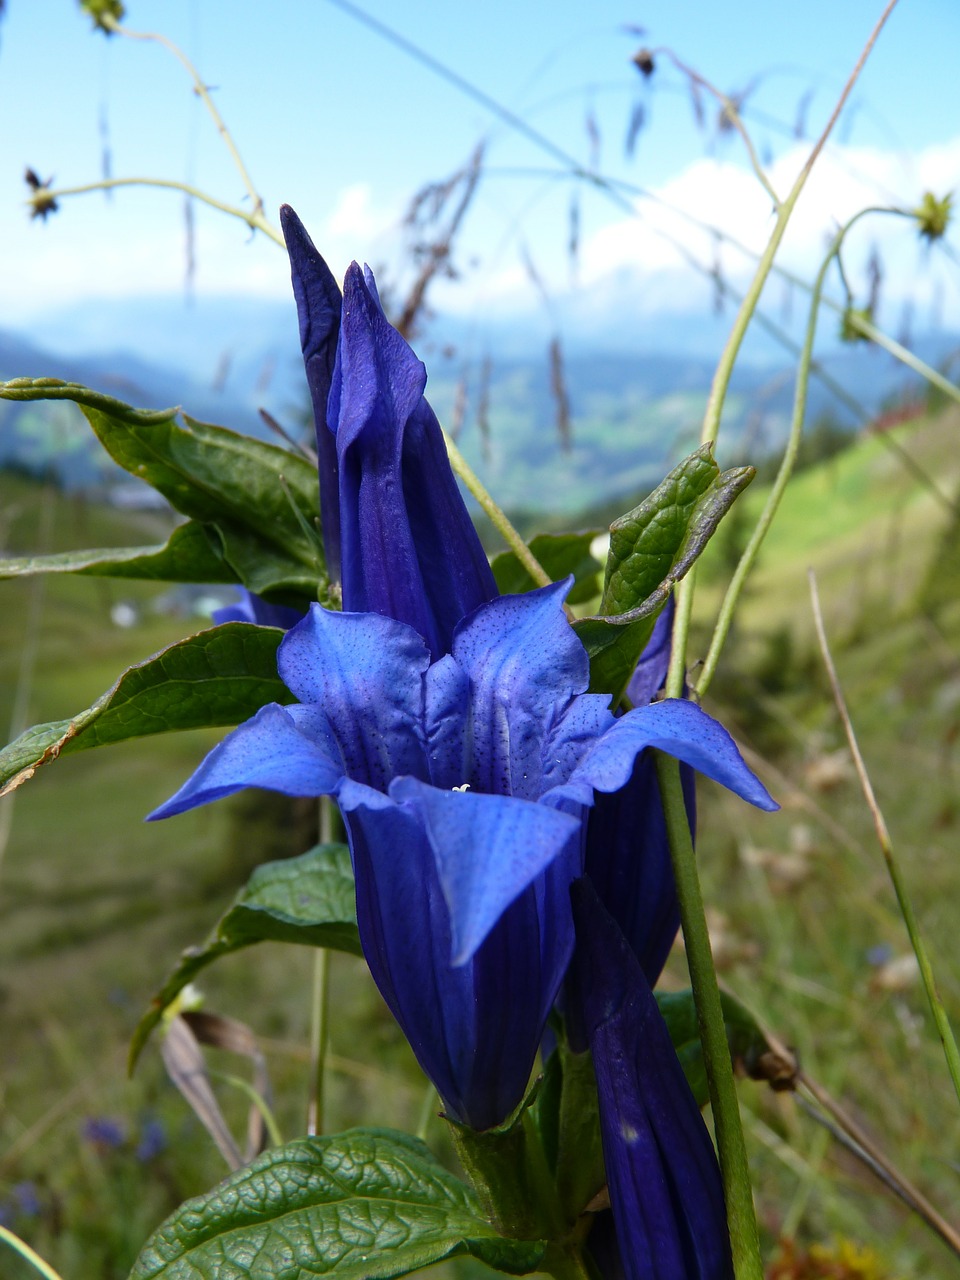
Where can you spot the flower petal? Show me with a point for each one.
(365, 674)
(525, 665)
(447, 705)
(665, 1188)
(409, 548)
(267, 751)
(318, 310)
(488, 849)
(476, 1046)
(628, 862)
(680, 729)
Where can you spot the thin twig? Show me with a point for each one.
(731, 113)
(203, 93)
(846, 1130)
(255, 221)
(941, 1021)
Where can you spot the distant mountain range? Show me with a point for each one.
(630, 414)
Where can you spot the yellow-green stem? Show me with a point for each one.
(746, 562)
(737, 1187)
(202, 92)
(254, 220)
(498, 517)
(24, 1250)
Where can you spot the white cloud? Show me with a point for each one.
(672, 239)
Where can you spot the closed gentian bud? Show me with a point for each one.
(408, 546)
(662, 1171)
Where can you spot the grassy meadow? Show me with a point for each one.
(95, 905)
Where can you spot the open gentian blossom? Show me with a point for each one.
(464, 785)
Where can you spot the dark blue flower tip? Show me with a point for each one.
(665, 1188)
(318, 310)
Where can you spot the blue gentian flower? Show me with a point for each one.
(464, 784)
(665, 1189)
(407, 546)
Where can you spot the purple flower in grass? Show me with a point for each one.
(103, 1132)
(664, 1181)
(252, 608)
(464, 785)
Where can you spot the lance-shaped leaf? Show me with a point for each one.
(560, 554)
(361, 1204)
(750, 1050)
(308, 900)
(218, 677)
(651, 548)
(191, 554)
(258, 502)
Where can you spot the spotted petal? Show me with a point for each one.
(488, 849)
(679, 729)
(268, 751)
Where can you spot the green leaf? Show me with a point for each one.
(308, 900)
(613, 650)
(218, 677)
(191, 554)
(560, 554)
(260, 501)
(750, 1049)
(651, 548)
(365, 1203)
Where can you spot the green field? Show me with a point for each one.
(95, 905)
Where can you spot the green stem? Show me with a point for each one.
(255, 220)
(258, 1100)
(564, 1263)
(498, 517)
(721, 379)
(318, 1039)
(940, 1019)
(24, 1250)
(785, 470)
(744, 1238)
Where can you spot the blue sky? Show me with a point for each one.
(344, 125)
